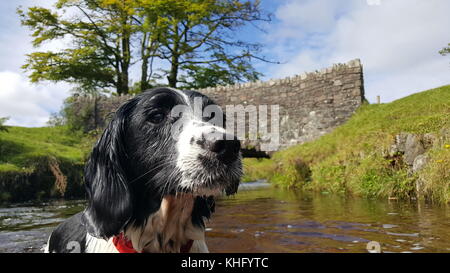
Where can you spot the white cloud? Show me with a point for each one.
(310, 15)
(15, 39)
(398, 42)
(29, 104)
(26, 104)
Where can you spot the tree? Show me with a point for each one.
(105, 38)
(100, 34)
(198, 77)
(445, 50)
(199, 36)
(3, 127)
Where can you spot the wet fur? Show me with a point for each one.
(133, 185)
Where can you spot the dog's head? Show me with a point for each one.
(161, 142)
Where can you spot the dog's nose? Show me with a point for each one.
(227, 149)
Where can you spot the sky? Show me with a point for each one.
(397, 42)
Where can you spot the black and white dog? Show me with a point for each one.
(152, 177)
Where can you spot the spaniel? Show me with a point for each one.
(152, 177)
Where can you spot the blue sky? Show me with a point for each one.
(397, 41)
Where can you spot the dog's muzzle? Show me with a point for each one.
(225, 149)
(209, 159)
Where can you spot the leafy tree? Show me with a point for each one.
(3, 127)
(103, 39)
(199, 37)
(56, 119)
(100, 36)
(198, 77)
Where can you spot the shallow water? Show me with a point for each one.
(263, 219)
(25, 228)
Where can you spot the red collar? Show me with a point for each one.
(124, 245)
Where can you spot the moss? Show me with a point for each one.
(352, 159)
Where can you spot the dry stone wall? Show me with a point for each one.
(310, 105)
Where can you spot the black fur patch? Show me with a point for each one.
(131, 168)
(69, 237)
(203, 208)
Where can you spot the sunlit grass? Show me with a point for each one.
(351, 159)
(27, 156)
(255, 169)
(20, 146)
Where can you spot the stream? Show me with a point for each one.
(261, 218)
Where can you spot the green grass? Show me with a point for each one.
(349, 160)
(352, 158)
(20, 146)
(255, 169)
(436, 175)
(26, 155)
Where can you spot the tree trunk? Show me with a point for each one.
(126, 57)
(144, 85)
(173, 74)
(144, 72)
(124, 84)
(125, 66)
(119, 81)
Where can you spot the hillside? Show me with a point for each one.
(37, 163)
(360, 157)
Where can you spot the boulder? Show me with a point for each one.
(419, 162)
(413, 148)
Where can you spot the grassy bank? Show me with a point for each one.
(39, 163)
(354, 157)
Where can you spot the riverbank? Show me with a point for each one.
(41, 163)
(394, 150)
(397, 150)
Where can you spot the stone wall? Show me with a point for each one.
(95, 112)
(310, 104)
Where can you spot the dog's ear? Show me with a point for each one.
(109, 199)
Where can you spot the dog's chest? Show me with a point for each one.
(169, 228)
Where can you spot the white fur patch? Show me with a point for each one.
(169, 228)
(171, 223)
(189, 151)
(98, 245)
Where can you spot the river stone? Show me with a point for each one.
(413, 148)
(419, 162)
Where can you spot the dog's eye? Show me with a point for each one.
(157, 117)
